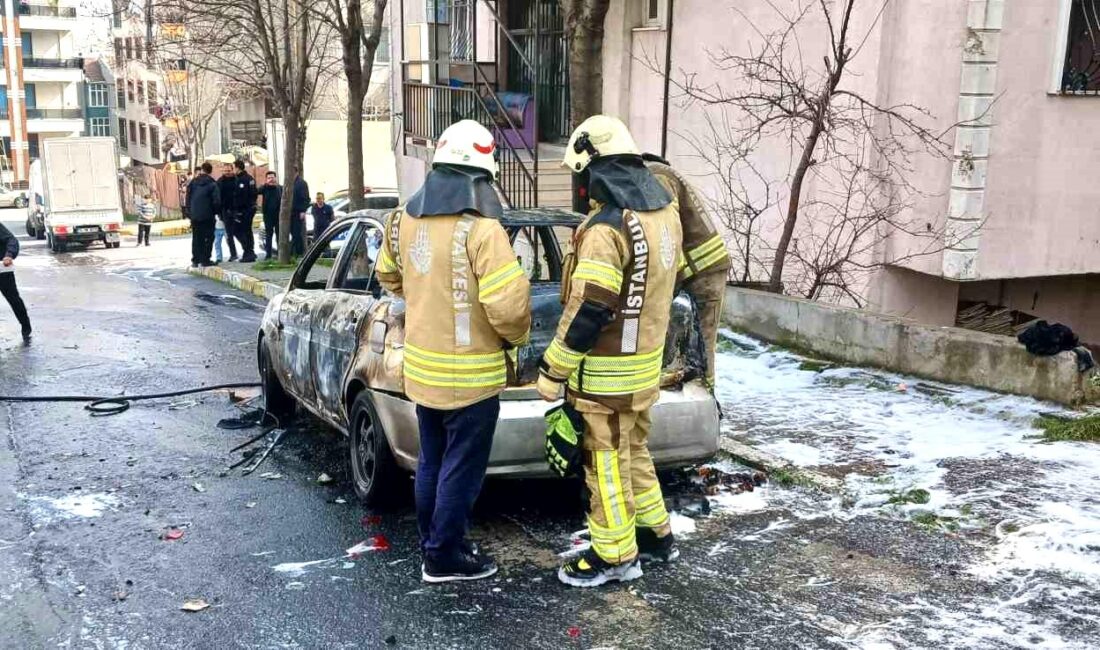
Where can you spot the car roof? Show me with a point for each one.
(511, 217)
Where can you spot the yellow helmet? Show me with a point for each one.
(466, 143)
(599, 135)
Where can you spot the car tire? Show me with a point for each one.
(374, 472)
(20, 202)
(30, 228)
(277, 401)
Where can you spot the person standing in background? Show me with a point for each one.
(147, 212)
(219, 235)
(227, 185)
(203, 203)
(271, 194)
(322, 215)
(9, 250)
(244, 211)
(298, 214)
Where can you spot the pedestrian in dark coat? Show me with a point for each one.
(227, 185)
(244, 211)
(271, 193)
(322, 215)
(9, 250)
(203, 203)
(298, 216)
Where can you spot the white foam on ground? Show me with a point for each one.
(682, 526)
(911, 432)
(46, 510)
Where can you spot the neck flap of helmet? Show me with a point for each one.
(624, 181)
(452, 189)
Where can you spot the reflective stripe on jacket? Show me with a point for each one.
(704, 248)
(466, 297)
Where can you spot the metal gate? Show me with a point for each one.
(539, 30)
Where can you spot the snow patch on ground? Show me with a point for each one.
(950, 456)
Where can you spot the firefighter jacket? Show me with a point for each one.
(466, 300)
(617, 290)
(704, 249)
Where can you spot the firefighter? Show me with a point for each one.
(467, 302)
(705, 255)
(608, 348)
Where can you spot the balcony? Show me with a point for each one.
(48, 62)
(45, 10)
(55, 114)
(46, 17)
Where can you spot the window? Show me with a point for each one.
(30, 93)
(97, 95)
(32, 145)
(144, 133)
(154, 142)
(539, 261)
(315, 271)
(129, 48)
(152, 92)
(140, 92)
(133, 131)
(355, 273)
(120, 49)
(122, 130)
(655, 15)
(1081, 63)
(120, 92)
(28, 43)
(130, 89)
(100, 126)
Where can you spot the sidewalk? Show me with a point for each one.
(264, 283)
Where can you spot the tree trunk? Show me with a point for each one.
(355, 145)
(775, 281)
(584, 30)
(291, 160)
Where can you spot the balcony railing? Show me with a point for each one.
(44, 10)
(54, 113)
(49, 62)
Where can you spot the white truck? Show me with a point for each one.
(74, 194)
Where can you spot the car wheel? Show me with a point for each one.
(374, 471)
(30, 228)
(277, 401)
(21, 202)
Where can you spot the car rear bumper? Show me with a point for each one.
(685, 430)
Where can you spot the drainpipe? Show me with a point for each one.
(668, 78)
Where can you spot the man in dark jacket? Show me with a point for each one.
(298, 214)
(272, 196)
(203, 202)
(244, 211)
(9, 250)
(227, 185)
(322, 215)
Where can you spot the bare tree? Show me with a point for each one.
(278, 47)
(858, 152)
(359, 40)
(584, 29)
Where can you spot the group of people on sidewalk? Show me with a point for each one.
(467, 304)
(223, 210)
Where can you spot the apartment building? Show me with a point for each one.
(139, 87)
(42, 81)
(1014, 200)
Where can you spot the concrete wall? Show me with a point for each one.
(942, 353)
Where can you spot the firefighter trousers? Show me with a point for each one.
(622, 483)
(709, 290)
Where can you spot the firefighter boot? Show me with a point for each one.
(590, 570)
(656, 549)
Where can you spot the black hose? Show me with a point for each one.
(100, 406)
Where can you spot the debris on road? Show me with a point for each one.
(194, 605)
(340, 500)
(172, 534)
(324, 479)
(273, 439)
(246, 420)
(198, 487)
(250, 504)
(271, 476)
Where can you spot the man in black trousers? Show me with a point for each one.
(203, 202)
(272, 195)
(243, 207)
(9, 250)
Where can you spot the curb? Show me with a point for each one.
(237, 280)
(175, 231)
(781, 470)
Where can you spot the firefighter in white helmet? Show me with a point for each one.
(607, 352)
(467, 301)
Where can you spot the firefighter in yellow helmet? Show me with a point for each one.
(467, 301)
(607, 352)
(707, 261)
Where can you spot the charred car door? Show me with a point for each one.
(340, 315)
(307, 290)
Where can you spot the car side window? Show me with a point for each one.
(532, 253)
(315, 271)
(358, 264)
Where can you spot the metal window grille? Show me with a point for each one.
(1081, 72)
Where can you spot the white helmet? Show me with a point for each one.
(599, 135)
(466, 143)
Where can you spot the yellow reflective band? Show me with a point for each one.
(647, 497)
(711, 260)
(706, 248)
(499, 279)
(615, 385)
(653, 519)
(449, 380)
(610, 488)
(559, 356)
(602, 273)
(611, 533)
(385, 262)
(619, 375)
(442, 359)
(633, 362)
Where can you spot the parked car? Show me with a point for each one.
(332, 343)
(12, 198)
(373, 199)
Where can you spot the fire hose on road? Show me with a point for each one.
(100, 406)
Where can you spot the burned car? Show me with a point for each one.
(332, 342)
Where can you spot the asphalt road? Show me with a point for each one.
(85, 502)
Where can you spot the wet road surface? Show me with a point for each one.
(85, 504)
